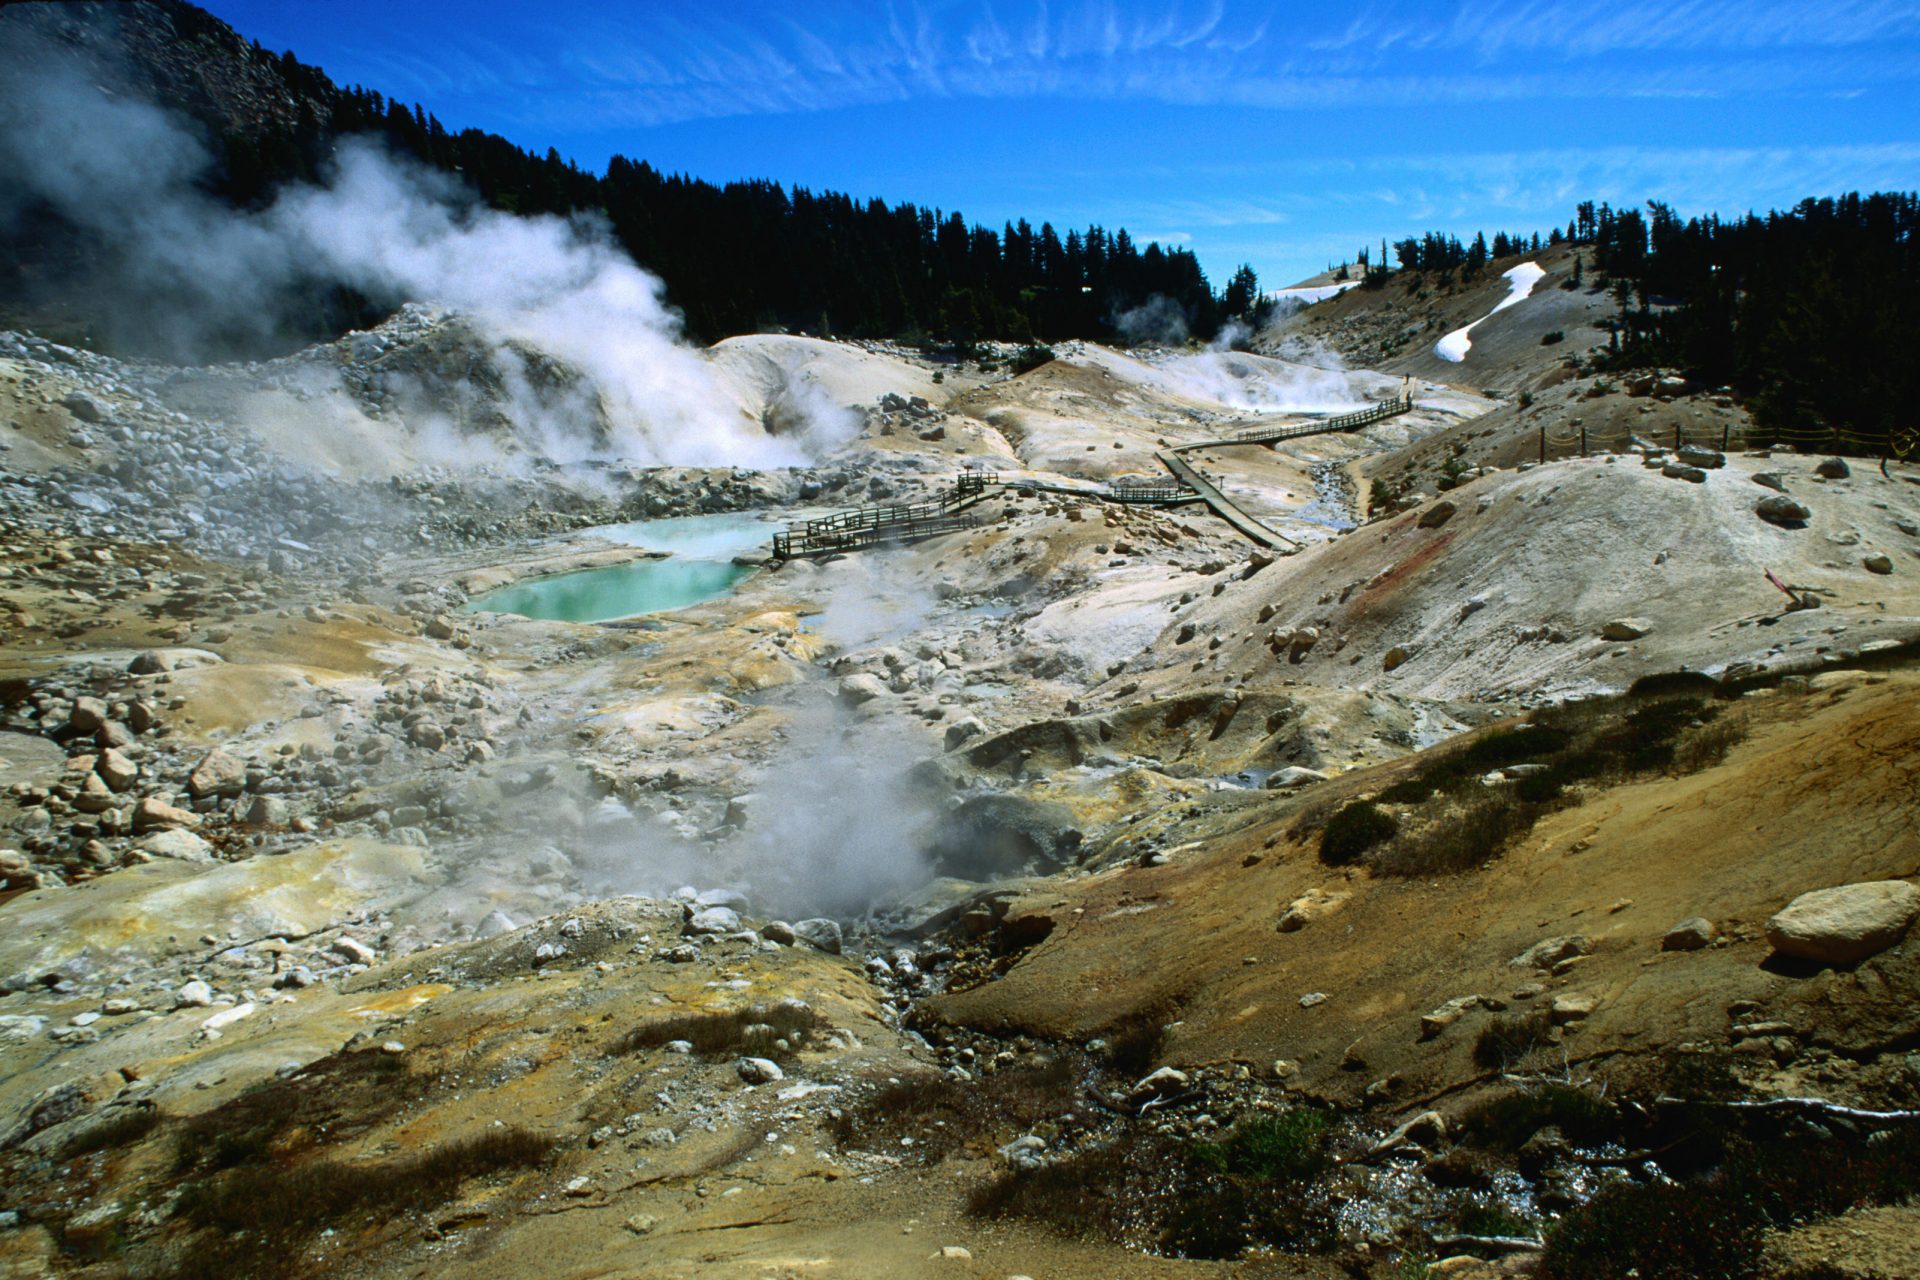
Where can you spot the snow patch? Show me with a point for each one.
(1520, 282)
(1309, 294)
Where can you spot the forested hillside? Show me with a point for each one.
(736, 258)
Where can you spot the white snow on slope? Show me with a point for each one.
(1309, 294)
(1520, 282)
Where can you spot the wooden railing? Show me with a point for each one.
(895, 522)
(1380, 411)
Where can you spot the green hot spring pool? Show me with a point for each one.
(698, 567)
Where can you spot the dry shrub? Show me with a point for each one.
(942, 1115)
(754, 1031)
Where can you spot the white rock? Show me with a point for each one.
(1847, 923)
(352, 950)
(182, 845)
(714, 920)
(759, 1070)
(227, 1017)
(195, 995)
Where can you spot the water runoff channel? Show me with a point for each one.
(695, 565)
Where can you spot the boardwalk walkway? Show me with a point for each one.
(950, 512)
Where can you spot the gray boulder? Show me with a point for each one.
(1781, 510)
(820, 933)
(714, 920)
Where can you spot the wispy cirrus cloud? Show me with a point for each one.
(658, 65)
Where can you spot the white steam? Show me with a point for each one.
(1159, 321)
(125, 173)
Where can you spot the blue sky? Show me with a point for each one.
(1281, 134)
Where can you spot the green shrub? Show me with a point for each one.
(1354, 830)
(1029, 358)
(1289, 1145)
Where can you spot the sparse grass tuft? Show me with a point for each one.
(255, 1220)
(1159, 1192)
(1134, 1043)
(1450, 819)
(943, 1115)
(756, 1031)
(1504, 1042)
(123, 1128)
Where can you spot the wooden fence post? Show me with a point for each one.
(1583, 439)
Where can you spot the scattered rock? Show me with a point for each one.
(217, 774)
(1446, 1015)
(118, 772)
(1025, 1154)
(779, 931)
(88, 714)
(193, 995)
(1847, 923)
(1571, 1007)
(714, 920)
(1394, 658)
(963, 730)
(1164, 1080)
(1303, 910)
(1689, 935)
(1694, 455)
(1437, 514)
(1782, 510)
(266, 811)
(759, 1070)
(155, 814)
(858, 690)
(1293, 776)
(1428, 1129)
(1551, 951)
(820, 933)
(175, 843)
(1626, 629)
(352, 950)
(1680, 471)
(1833, 469)
(1879, 562)
(1771, 480)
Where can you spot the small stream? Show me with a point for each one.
(696, 566)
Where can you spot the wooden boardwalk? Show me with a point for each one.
(1230, 511)
(897, 523)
